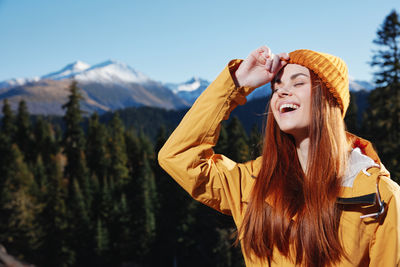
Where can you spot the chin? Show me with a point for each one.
(288, 128)
(294, 130)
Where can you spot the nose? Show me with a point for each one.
(283, 91)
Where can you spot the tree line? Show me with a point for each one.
(99, 198)
(93, 194)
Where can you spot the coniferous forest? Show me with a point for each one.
(88, 191)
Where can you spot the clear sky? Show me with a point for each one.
(171, 41)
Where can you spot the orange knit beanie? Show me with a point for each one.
(330, 69)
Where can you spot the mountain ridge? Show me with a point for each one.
(111, 85)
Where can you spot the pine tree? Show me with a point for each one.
(126, 239)
(146, 146)
(45, 144)
(8, 121)
(388, 57)
(351, 118)
(23, 132)
(238, 150)
(74, 142)
(73, 137)
(106, 238)
(161, 138)
(20, 208)
(143, 202)
(56, 249)
(171, 211)
(133, 149)
(96, 150)
(223, 141)
(40, 174)
(80, 224)
(150, 204)
(255, 142)
(382, 121)
(102, 242)
(80, 187)
(117, 150)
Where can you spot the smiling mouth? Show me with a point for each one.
(288, 108)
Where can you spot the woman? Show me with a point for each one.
(317, 196)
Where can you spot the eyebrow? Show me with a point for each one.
(297, 74)
(294, 76)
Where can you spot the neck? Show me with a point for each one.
(302, 146)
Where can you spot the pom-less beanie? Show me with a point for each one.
(330, 69)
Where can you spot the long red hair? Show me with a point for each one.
(293, 211)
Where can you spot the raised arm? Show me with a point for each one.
(188, 154)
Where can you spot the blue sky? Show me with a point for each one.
(171, 41)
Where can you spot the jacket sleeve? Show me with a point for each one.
(385, 246)
(188, 154)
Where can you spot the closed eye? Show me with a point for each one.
(298, 84)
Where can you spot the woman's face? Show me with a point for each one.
(291, 100)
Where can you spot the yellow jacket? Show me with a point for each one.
(225, 185)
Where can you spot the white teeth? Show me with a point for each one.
(292, 106)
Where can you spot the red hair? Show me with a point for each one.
(283, 191)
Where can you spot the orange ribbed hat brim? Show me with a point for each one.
(330, 69)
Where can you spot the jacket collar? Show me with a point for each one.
(357, 162)
(360, 186)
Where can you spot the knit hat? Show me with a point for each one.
(330, 69)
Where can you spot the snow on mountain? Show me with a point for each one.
(190, 89)
(112, 72)
(68, 71)
(357, 85)
(191, 85)
(17, 82)
(107, 72)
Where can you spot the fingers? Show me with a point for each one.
(271, 62)
(267, 51)
(276, 62)
(261, 54)
(284, 56)
(264, 56)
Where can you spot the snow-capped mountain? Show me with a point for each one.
(190, 89)
(107, 86)
(110, 71)
(17, 82)
(68, 71)
(113, 85)
(357, 85)
(191, 85)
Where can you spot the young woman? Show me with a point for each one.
(317, 196)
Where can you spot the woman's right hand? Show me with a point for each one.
(260, 67)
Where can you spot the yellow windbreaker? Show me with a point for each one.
(225, 185)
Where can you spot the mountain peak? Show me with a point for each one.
(357, 85)
(190, 89)
(108, 63)
(112, 71)
(68, 71)
(196, 79)
(80, 65)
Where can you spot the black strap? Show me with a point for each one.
(369, 199)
